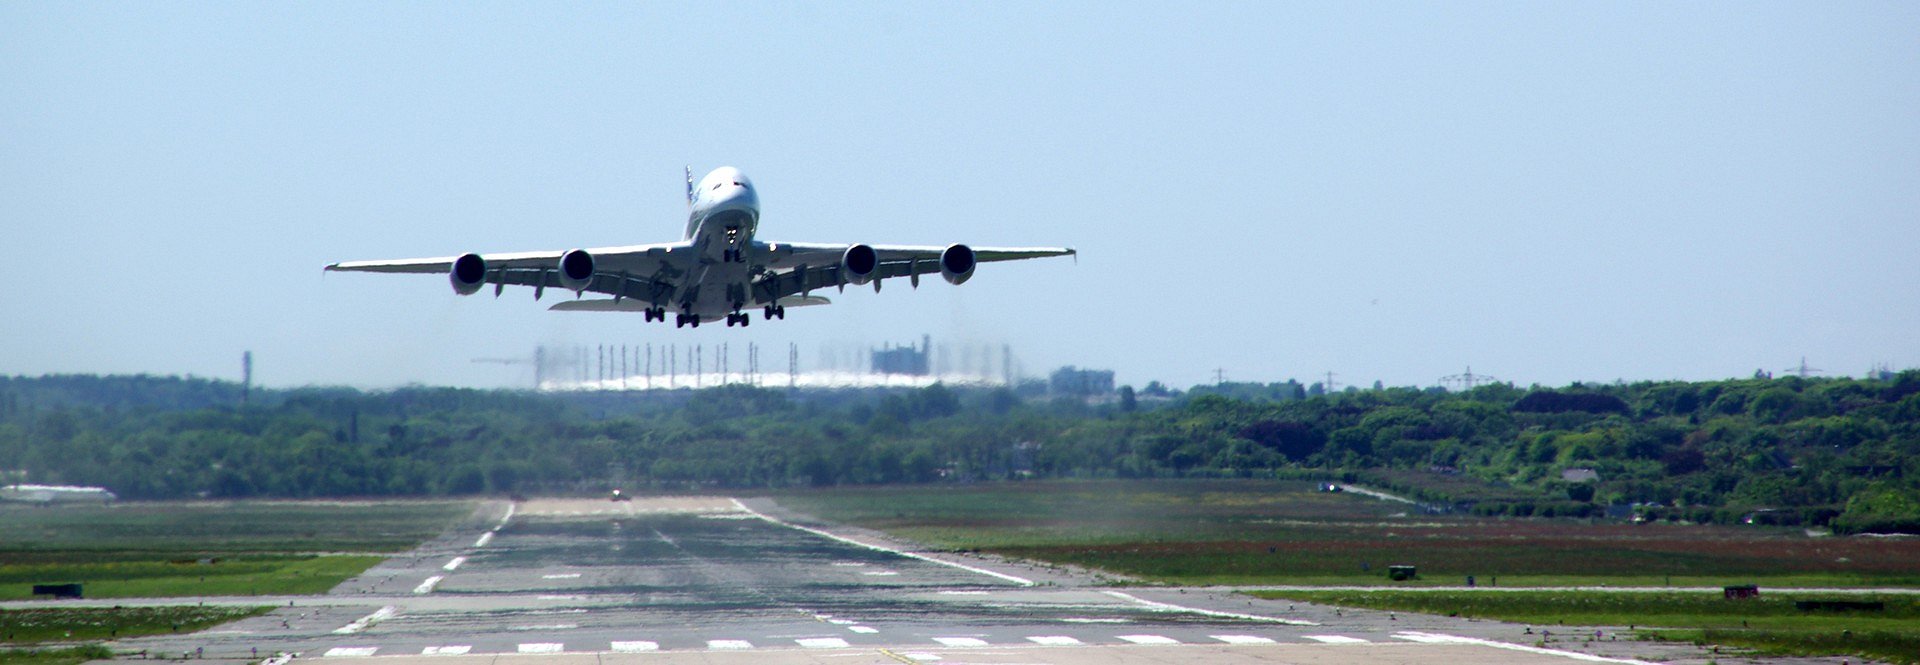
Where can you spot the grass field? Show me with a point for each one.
(104, 623)
(55, 656)
(208, 548)
(1769, 624)
(1281, 532)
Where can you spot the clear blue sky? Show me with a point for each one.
(1547, 191)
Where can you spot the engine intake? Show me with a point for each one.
(468, 273)
(858, 264)
(576, 270)
(956, 263)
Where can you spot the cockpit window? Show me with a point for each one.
(738, 185)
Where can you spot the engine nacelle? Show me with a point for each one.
(468, 273)
(575, 270)
(956, 263)
(858, 264)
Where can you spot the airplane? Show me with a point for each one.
(716, 270)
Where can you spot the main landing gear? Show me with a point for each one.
(683, 319)
(655, 314)
(738, 318)
(774, 312)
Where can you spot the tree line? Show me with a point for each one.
(1836, 452)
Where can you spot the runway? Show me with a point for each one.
(713, 580)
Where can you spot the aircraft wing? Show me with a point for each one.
(635, 271)
(801, 267)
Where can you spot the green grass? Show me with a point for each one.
(1770, 624)
(31, 626)
(56, 656)
(209, 548)
(1253, 532)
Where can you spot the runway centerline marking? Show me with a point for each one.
(1149, 639)
(1435, 638)
(821, 642)
(922, 557)
(961, 641)
(349, 652)
(728, 645)
(634, 646)
(1170, 607)
(542, 647)
(454, 563)
(863, 630)
(457, 650)
(429, 584)
(362, 623)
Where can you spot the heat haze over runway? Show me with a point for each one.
(714, 580)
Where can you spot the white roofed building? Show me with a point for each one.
(56, 494)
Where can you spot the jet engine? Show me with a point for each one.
(576, 270)
(468, 273)
(956, 263)
(858, 264)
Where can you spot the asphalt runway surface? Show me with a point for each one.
(713, 580)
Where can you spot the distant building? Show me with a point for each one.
(903, 359)
(55, 494)
(1580, 475)
(1076, 382)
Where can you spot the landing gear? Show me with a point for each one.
(683, 319)
(733, 255)
(656, 314)
(772, 312)
(738, 318)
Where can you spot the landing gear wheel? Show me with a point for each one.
(780, 311)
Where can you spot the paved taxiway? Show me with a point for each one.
(712, 580)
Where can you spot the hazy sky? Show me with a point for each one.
(1546, 191)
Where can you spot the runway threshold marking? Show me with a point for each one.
(635, 646)
(456, 650)
(1054, 640)
(1442, 638)
(922, 557)
(1242, 639)
(1335, 639)
(542, 647)
(961, 641)
(349, 652)
(1149, 639)
(821, 642)
(1170, 607)
(728, 645)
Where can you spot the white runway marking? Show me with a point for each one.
(1090, 620)
(635, 646)
(880, 573)
(728, 645)
(850, 564)
(542, 647)
(548, 626)
(455, 563)
(821, 642)
(842, 622)
(921, 657)
(427, 586)
(560, 576)
(1170, 607)
(863, 630)
(1335, 639)
(1455, 639)
(1242, 639)
(484, 539)
(1010, 578)
(963, 593)
(361, 623)
(1054, 640)
(338, 652)
(961, 641)
(1149, 639)
(459, 650)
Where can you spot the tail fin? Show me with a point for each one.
(689, 185)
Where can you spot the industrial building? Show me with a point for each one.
(55, 494)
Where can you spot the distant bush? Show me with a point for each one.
(1547, 401)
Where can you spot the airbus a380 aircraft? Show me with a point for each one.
(716, 270)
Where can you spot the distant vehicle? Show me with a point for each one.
(1330, 487)
(620, 496)
(716, 270)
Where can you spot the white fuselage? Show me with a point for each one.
(724, 213)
